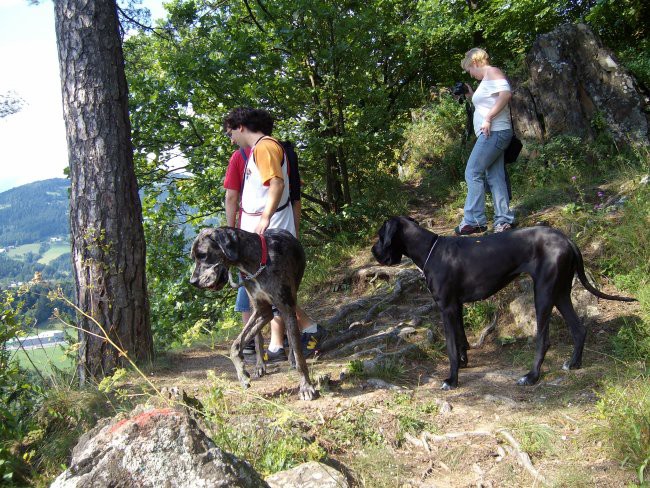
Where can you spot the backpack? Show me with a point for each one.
(292, 170)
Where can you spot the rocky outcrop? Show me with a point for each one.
(522, 307)
(153, 448)
(576, 86)
(308, 475)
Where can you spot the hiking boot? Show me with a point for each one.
(275, 357)
(311, 341)
(502, 227)
(249, 348)
(467, 229)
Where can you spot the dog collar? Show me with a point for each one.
(263, 261)
(265, 253)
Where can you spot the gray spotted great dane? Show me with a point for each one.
(272, 267)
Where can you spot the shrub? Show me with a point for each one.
(432, 139)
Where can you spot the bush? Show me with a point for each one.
(433, 139)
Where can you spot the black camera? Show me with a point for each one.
(460, 89)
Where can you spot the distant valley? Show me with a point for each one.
(34, 232)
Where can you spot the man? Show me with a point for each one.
(261, 183)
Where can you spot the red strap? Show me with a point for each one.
(265, 253)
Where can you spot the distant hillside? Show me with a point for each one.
(34, 212)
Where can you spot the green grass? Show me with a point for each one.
(54, 252)
(43, 359)
(20, 251)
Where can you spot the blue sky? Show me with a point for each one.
(32, 142)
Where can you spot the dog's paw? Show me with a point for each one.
(245, 380)
(527, 380)
(308, 393)
(568, 365)
(259, 371)
(448, 385)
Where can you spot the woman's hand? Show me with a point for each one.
(485, 127)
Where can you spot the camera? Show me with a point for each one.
(459, 90)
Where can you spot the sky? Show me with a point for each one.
(32, 141)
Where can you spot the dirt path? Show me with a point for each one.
(405, 431)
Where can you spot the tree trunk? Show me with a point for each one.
(108, 248)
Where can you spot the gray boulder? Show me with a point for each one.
(153, 448)
(308, 475)
(574, 85)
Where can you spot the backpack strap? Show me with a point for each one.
(243, 179)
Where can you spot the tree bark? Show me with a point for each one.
(108, 248)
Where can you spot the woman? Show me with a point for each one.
(493, 131)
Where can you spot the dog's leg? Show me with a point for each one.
(452, 319)
(543, 308)
(307, 390)
(462, 344)
(578, 330)
(260, 366)
(236, 355)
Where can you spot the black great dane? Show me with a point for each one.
(466, 269)
(272, 267)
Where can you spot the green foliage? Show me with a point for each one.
(626, 409)
(431, 138)
(636, 60)
(269, 446)
(478, 315)
(536, 439)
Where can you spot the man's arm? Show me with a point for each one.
(232, 207)
(276, 187)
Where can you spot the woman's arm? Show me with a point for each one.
(502, 100)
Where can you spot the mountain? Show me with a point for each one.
(34, 212)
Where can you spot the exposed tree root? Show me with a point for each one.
(405, 280)
(522, 456)
(486, 331)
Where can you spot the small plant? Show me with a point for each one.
(626, 409)
(479, 314)
(536, 439)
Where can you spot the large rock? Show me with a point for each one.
(158, 448)
(574, 84)
(308, 475)
(522, 307)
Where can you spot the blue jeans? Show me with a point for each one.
(486, 161)
(243, 302)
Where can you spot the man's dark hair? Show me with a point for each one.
(254, 119)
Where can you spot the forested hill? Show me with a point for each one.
(34, 212)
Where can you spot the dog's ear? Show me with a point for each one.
(226, 239)
(387, 232)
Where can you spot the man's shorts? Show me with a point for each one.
(243, 302)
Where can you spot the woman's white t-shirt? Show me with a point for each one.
(484, 99)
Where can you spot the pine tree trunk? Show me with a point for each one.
(108, 248)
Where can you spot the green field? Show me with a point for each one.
(20, 251)
(54, 252)
(44, 358)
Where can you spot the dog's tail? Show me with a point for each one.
(580, 271)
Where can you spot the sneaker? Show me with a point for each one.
(249, 348)
(502, 227)
(275, 357)
(311, 341)
(467, 229)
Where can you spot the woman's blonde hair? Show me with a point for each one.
(475, 55)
